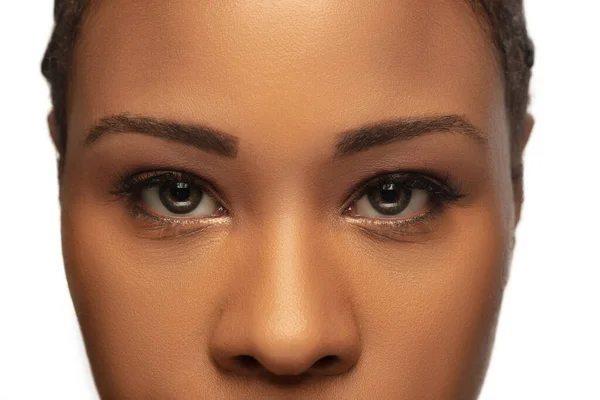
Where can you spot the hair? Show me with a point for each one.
(503, 21)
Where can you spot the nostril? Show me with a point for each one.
(325, 362)
(247, 362)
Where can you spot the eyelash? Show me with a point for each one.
(443, 190)
(131, 186)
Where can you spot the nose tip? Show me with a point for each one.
(300, 354)
(288, 358)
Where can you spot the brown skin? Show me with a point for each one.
(285, 277)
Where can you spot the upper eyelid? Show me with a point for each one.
(361, 189)
(203, 183)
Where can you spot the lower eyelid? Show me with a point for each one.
(397, 229)
(141, 212)
(390, 221)
(172, 228)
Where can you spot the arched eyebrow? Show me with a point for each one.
(223, 144)
(394, 130)
(202, 137)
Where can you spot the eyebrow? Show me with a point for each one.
(348, 142)
(196, 135)
(394, 130)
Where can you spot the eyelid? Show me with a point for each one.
(129, 189)
(131, 184)
(452, 188)
(153, 222)
(398, 230)
(401, 226)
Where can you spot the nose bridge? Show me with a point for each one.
(291, 300)
(291, 318)
(290, 249)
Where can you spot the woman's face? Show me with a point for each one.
(224, 235)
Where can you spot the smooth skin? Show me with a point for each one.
(284, 294)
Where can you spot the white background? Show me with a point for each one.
(547, 345)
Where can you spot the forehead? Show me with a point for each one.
(283, 64)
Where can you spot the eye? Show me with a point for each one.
(175, 195)
(392, 200)
(179, 199)
(403, 196)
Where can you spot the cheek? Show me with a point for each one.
(430, 317)
(138, 301)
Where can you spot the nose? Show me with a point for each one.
(270, 351)
(290, 317)
(286, 334)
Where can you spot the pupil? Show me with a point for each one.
(389, 193)
(181, 191)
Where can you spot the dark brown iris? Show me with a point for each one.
(180, 197)
(389, 198)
